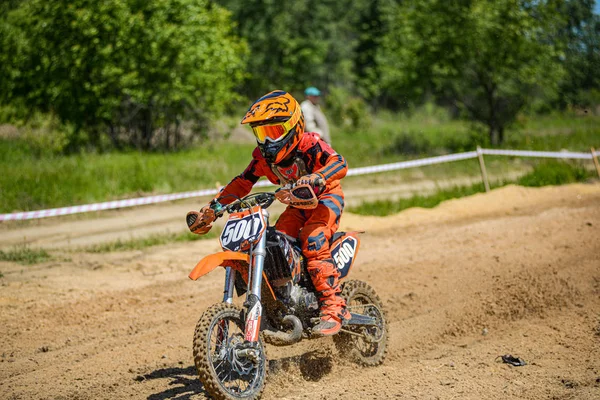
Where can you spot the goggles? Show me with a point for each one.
(277, 131)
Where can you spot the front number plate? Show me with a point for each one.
(242, 230)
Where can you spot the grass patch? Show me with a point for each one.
(543, 174)
(555, 173)
(24, 254)
(145, 242)
(388, 207)
(29, 182)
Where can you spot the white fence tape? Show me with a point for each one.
(351, 172)
(411, 163)
(105, 206)
(544, 154)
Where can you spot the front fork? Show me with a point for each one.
(252, 303)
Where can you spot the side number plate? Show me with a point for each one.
(343, 255)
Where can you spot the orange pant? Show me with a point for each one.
(314, 227)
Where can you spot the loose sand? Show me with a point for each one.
(515, 271)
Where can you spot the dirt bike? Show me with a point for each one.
(281, 305)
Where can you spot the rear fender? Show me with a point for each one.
(344, 251)
(229, 258)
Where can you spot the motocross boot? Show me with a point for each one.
(332, 306)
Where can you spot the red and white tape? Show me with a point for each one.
(109, 205)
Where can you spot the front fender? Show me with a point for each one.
(209, 263)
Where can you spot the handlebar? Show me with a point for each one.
(320, 182)
(263, 199)
(300, 196)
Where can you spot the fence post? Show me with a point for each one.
(595, 161)
(484, 176)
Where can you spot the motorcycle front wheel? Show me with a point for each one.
(228, 368)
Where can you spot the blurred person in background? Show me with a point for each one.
(313, 116)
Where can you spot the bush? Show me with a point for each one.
(346, 110)
(409, 142)
(437, 140)
(460, 142)
(589, 100)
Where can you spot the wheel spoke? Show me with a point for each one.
(219, 365)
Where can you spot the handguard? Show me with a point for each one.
(301, 196)
(200, 222)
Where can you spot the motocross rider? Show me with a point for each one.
(286, 154)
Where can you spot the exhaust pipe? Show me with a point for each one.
(281, 338)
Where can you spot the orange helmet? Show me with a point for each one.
(277, 123)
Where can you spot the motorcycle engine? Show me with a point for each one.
(299, 299)
(283, 267)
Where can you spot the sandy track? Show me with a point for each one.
(520, 265)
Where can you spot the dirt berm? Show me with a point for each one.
(515, 271)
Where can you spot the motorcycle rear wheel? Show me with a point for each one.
(225, 375)
(366, 346)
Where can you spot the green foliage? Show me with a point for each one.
(454, 139)
(155, 74)
(488, 58)
(45, 134)
(348, 111)
(324, 43)
(555, 132)
(23, 254)
(554, 173)
(134, 69)
(409, 143)
(588, 99)
(31, 181)
(579, 34)
(427, 130)
(149, 241)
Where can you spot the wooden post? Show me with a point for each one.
(595, 161)
(484, 176)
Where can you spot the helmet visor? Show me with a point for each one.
(276, 131)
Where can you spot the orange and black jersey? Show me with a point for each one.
(313, 156)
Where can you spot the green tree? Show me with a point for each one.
(132, 69)
(296, 44)
(490, 58)
(580, 36)
(371, 28)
